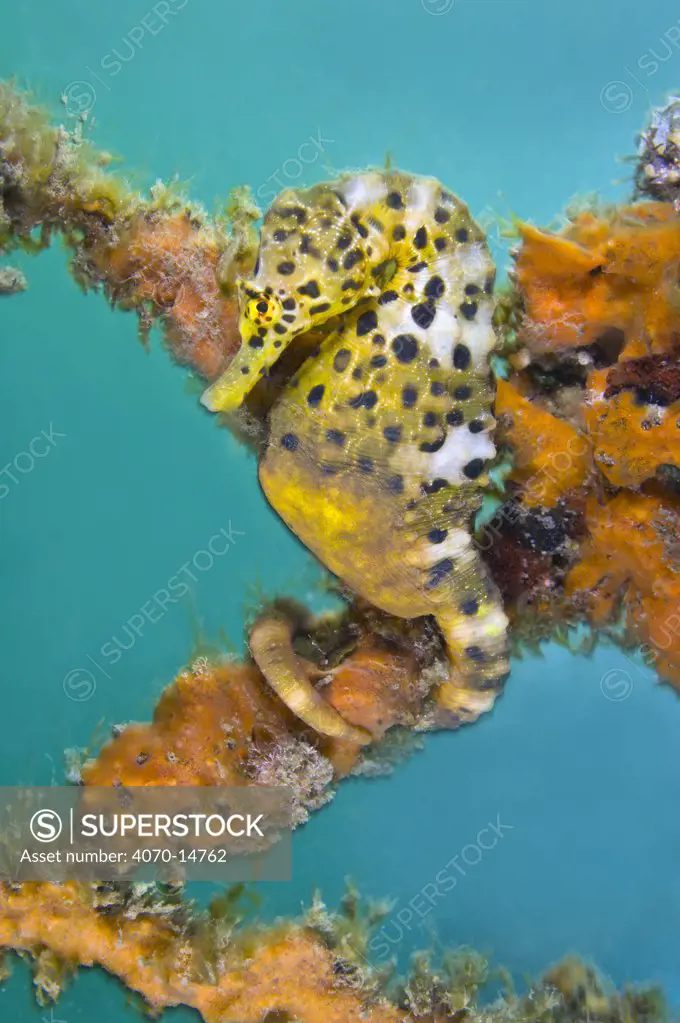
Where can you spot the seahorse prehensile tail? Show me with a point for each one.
(271, 644)
(377, 446)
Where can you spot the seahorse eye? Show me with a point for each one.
(256, 309)
(261, 310)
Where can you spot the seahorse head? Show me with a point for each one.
(310, 267)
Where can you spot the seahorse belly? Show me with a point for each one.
(365, 468)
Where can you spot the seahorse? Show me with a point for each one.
(377, 446)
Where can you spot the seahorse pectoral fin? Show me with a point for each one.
(272, 649)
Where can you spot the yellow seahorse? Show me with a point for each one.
(377, 446)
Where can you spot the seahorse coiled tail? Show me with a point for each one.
(377, 446)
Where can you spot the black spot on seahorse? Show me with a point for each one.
(434, 445)
(409, 395)
(473, 469)
(461, 356)
(289, 441)
(420, 238)
(435, 287)
(423, 314)
(469, 309)
(405, 347)
(438, 573)
(315, 395)
(363, 232)
(311, 289)
(351, 259)
(434, 486)
(367, 399)
(367, 322)
(307, 249)
(293, 211)
(341, 360)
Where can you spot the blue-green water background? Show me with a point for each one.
(510, 104)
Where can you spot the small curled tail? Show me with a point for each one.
(271, 644)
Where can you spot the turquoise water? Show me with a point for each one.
(518, 106)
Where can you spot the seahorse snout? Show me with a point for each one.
(263, 338)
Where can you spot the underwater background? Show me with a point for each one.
(518, 106)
